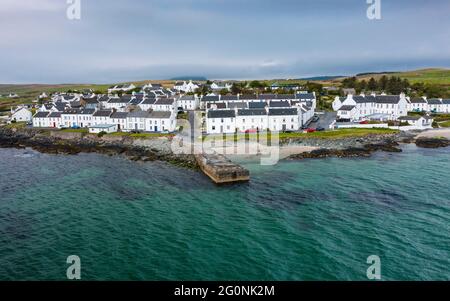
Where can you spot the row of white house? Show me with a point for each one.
(155, 121)
(385, 107)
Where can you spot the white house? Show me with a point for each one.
(390, 106)
(252, 119)
(285, 119)
(435, 105)
(186, 87)
(161, 121)
(121, 88)
(105, 128)
(419, 104)
(420, 122)
(21, 114)
(188, 102)
(223, 121)
(165, 104)
(136, 120)
(218, 86)
(446, 106)
(40, 120)
(118, 103)
(102, 117)
(119, 119)
(147, 104)
(55, 120)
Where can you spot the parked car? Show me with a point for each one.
(75, 127)
(364, 122)
(250, 131)
(310, 130)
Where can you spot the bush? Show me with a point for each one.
(101, 134)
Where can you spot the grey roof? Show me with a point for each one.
(346, 108)
(282, 112)
(41, 114)
(92, 100)
(389, 99)
(210, 98)
(287, 96)
(103, 113)
(104, 98)
(187, 97)
(219, 105)
(148, 101)
(138, 114)
(119, 115)
(221, 114)
(364, 99)
(434, 101)
(248, 97)
(229, 97)
(75, 104)
(257, 105)
(60, 106)
(117, 100)
(418, 100)
(160, 114)
(87, 111)
(409, 117)
(446, 101)
(279, 104)
(165, 101)
(135, 101)
(309, 96)
(267, 96)
(71, 111)
(55, 114)
(239, 105)
(252, 112)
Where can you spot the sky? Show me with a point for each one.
(118, 40)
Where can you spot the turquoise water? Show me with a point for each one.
(305, 220)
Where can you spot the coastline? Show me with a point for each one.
(159, 149)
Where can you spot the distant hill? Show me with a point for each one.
(322, 78)
(196, 78)
(437, 76)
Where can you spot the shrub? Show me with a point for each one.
(101, 134)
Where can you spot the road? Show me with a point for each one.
(325, 120)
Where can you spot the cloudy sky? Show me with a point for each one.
(118, 40)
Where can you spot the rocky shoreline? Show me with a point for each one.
(75, 143)
(159, 149)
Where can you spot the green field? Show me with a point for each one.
(335, 134)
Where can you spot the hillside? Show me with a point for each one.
(435, 76)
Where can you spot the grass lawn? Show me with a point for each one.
(16, 125)
(75, 130)
(336, 134)
(445, 124)
(140, 135)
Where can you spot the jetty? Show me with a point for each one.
(222, 170)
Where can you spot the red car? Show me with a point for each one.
(250, 131)
(310, 130)
(364, 122)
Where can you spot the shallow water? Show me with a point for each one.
(301, 220)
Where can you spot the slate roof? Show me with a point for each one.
(148, 101)
(102, 113)
(346, 108)
(165, 101)
(239, 105)
(434, 101)
(279, 104)
(305, 96)
(55, 115)
(87, 111)
(210, 98)
(282, 112)
(219, 105)
(248, 97)
(257, 105)
(187, 97)
(252, 112)
(389, 99)
(446, 101)
(41, 114)
(221, 114)
(160, 114)
(417, 100)
(138, 114)
(119, 115)
(229, 97)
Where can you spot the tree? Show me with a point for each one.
(372, 85)
(383, 82)
(362, 85)
(236, 88)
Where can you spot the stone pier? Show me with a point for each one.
(221, 170)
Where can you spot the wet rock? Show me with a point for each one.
(432, 142)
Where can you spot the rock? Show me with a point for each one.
(432, 142)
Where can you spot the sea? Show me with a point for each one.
(317, 219)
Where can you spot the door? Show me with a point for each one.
(54, 124)
(156, 128)
(284, 128)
